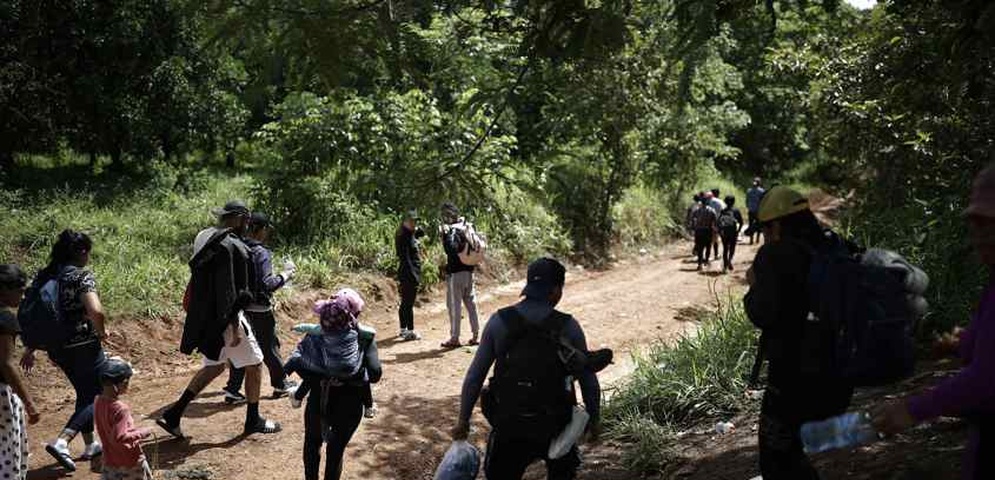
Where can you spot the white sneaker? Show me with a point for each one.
(412, 335)
(60, 452)
(403, 334)
(92, 451)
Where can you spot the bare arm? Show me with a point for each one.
(95, 312)
(10, 372)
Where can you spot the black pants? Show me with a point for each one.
(82, 365)
(264, 328)
(409, 292)
(703, 244)
(508, 457)
(753, 230)
(343, 412)
(781, 453)
(729, 240)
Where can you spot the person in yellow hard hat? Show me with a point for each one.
(778, 304)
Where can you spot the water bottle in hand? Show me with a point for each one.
(844, 431)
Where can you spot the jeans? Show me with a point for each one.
(459, 291)
(508, 456)
(264, 327)
(729, 248)
(82, 365)
(409, 292)
(781, 453)
(703, 244)
(342, 413)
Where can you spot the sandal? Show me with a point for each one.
(451, 344)
(473, 342)
(171, 429)
(263, 426)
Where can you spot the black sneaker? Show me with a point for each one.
(264, 426)
(233, 397)
(289, 386)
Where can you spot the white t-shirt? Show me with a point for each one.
(717, 205)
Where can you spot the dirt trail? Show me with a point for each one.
(638, 301)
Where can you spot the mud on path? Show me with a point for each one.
(638, 301)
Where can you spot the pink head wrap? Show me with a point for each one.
(352, 300)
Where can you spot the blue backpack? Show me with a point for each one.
(861, 324)
(40, 316)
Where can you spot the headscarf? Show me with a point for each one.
(353, 301)
(334, 314)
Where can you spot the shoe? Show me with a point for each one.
(451, 344)
(92, 451)
(411, 335)
(263, 426)
(233, 397)
(370, 412)
(473, 342)
(61, 454)
(294, 402)
(170, 427)
(403, 334)
(699, 267)
(289, 386)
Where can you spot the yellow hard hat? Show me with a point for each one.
(781, 202)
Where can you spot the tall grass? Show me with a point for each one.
(700, 377)
(644, 217)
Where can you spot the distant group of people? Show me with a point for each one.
(711, 220)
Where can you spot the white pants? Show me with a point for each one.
(246, 354)
(460, 290)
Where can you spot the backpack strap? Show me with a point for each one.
(519, 327)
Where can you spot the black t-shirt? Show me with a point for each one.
(73, 284)
(8, 326)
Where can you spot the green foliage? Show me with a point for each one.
(643, 217)
(701, 376)
(649, 446)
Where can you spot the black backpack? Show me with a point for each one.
(861, 322)
(728, 222)
(43, 326)
(531, 394)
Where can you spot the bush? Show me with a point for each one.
(701, 377)
(643, 217)
(649, 445)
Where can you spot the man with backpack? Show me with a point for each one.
(730, 224)
(219, 291)
(753, 197)
(778, 303)
(260, 312)
(530, 399)
(458, 239)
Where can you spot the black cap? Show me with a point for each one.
(116, 370)
(545, 274)
(234, 207)
(259, 220)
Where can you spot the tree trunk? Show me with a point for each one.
(230, 159)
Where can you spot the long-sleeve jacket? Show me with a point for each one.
(265, 282)
(406, 245)
(120, 438)
(220, 273)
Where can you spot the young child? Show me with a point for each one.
(123, 456)
(367, 335)
(16, 405)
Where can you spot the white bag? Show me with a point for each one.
(569, 437)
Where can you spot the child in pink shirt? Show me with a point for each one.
(123, 456)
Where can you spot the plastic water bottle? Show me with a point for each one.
(844, 431)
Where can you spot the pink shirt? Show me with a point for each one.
(120, 438)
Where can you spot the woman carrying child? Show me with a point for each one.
(337, 365)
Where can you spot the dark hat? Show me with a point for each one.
(259, 220)
(544, 275)
(234, 207)
(412, 215)
(116, 370)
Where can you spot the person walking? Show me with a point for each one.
(531, 397)
(715, 201)
(730, 224)
(260, 311)
(79, 352)
(753, 197)
(970, 393)
(705, 221)
(337, 365)
(460, 289)
(17, 407)
(407, 244)
(778, 303)
(123, 458)
(219, 290)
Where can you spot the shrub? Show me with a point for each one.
(643, 217)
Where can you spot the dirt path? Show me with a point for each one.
(638, 301)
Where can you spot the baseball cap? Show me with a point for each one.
(983, 194)
(259, 219)
(544, 275)
(233, 207)
(116, 370)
